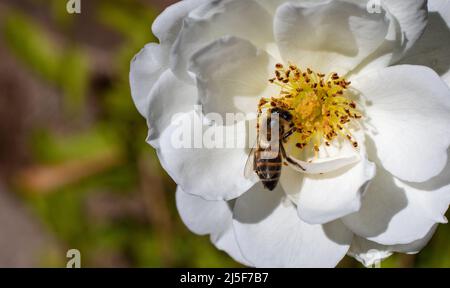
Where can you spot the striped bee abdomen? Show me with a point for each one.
(268, 170)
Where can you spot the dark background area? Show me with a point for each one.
(75, 171)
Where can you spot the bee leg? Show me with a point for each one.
(288, 134)
(289, 159)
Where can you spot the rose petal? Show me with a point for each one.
(408, 114)
(211, 172)
(321, 165)
(432, 48)
(394, 212)
(201, 216)
(227, 242)
(340, 154)
(210, 217)
(441, 7)
(369, 253)
(168, 24)
(324, 198)
(411, 17)
(270, 234)
(153, 59)
(231, 75)
(329, 36)
(168, 97)
(215, 19)
(145, 69)
(407, 21)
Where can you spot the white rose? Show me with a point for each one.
(385, 196)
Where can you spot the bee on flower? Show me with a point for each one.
(352, 124)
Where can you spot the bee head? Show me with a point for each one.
(283, 114)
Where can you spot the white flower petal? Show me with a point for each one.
(432, 48)
(201, 216)
(270, 234)
(210, 217)
(244, 19)
(213, 173)
(340, 154)
(328, 36)
(271, 5)
(442, 7)
(323, 165)
(227, 242)
(407, 21)
(411, 17)
(147, 66)
(168, 97)
(324, 198)
(369, 253)
(231, 73)
(145, 69)
(394, 212)
(408, 109)
(168, 24)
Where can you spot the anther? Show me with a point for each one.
(319, 108)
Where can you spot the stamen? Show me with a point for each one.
(319, 104)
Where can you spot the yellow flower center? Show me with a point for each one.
(320, 105)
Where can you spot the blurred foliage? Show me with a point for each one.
(66, 69)
(49, 148)
(66, 65)
(31, 44)
(132, 238)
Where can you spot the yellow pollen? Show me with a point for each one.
(319, 104)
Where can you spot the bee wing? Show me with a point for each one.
(249, 171)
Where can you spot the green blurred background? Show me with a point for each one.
(75, 171)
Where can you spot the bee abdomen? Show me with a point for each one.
(271, 166)
(269, 171)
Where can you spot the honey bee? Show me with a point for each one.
(268, 156)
